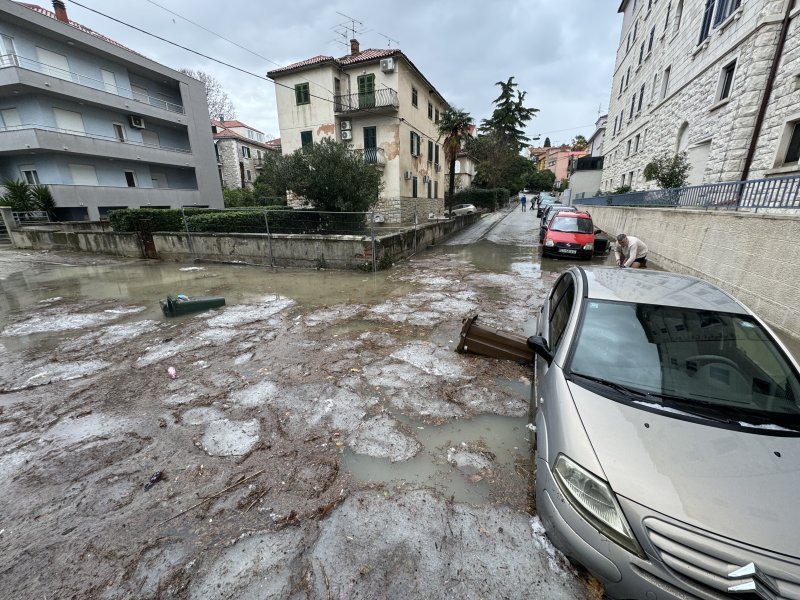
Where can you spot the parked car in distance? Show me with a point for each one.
(569, 234)
(462, 209)
(544, 201)
(668, 437)
(547, 216)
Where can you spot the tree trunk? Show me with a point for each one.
(452, 183)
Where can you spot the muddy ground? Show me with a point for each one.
(250, 439)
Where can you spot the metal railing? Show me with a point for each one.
(15, 60)
(751, 195)
(371, 156)
(30, 216)
(97, 136)
(382, 98)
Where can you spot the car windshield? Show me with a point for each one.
(687, 359)
(571, 224)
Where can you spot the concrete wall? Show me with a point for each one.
(116, 244)
(753, 257)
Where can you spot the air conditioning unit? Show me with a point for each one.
(408, 175)
(137, 122)
(347, 135)
(426, 179)
(345, 126)
(387, 65)
(438, 167)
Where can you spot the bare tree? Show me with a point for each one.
(219, 104)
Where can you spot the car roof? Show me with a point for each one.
(657, 287)
(573, 213)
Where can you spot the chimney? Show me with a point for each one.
(353, 46)
(61, 11)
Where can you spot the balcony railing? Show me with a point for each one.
(382, 98)
(753, 194)
(15, 60)
(371, 156)
(95, 136)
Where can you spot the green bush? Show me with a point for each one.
(161, 219)
(488, 199)
(229, 221)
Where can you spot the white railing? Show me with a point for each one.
(15, 60)
(96, 136)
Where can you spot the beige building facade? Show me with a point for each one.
(717, 79)
(384, 108)
(240, 153)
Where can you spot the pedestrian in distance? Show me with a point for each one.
(630, 252)
(523, 201)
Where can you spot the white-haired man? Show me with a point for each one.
(630, 251)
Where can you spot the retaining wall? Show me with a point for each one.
(116, 244)
(754, 257)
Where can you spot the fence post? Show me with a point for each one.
(188, 235)
(269, 238)
(372, 235)
(415, 230)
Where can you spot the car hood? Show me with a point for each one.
(565, 236)
(738, 484)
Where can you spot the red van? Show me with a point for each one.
(570, 234)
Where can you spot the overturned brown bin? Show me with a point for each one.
(491, 342)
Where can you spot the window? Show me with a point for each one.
(435, 189)
(9, 118)
(8, 54)
(53, 64)
(366, 91)
(628, 78)
(666, 21)
(655, 87)
(628, 43)
(636, 143)
(69, 121)
(436, 154)
(678, 16)
(621, 86)
(436, 116)
(30, 175)
(628, 151)
(246, 151)
(430, 151)
(726, 81)
(413, 96)
(83, 174)
(725, 9)
(641, 98)
(793, 151)
(641, 53)
(119, 131)
(651, 40)
(430, 111)
(708, 15)
(633, 106)
(414, 186)
(415, 144)
(430, 188)
(665, 83)
(249, 175)
(306, 138)
(302, 94)
(130, 178)
(109, 81)
(635, 29)
(560, 307)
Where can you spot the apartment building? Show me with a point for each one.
(384, 107)
(240, 152)
(717, 79)
(101, 125)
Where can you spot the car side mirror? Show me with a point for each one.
(598, 230)
(539, 345)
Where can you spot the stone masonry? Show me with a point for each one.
(651, 113)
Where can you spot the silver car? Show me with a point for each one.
(668, 438)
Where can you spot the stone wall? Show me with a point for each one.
(722, 128)
(750, 256)
(115, 244)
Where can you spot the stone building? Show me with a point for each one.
(240, 152)
(384, 107)
(99, 124)
(718, 79)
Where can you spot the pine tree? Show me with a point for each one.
(510, 116)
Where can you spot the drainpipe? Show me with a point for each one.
(762, 110)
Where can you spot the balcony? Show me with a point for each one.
(380, 101)
(14, 60)
(372, 156)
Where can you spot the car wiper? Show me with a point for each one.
(609, 384)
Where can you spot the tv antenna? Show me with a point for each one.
(389, 40)
(351, 26)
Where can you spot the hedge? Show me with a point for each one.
(489, 199)
(171, 219)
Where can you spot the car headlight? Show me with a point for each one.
(589, 246)
(549, 243)
(593, 498)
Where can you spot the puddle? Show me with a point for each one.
(504, 437)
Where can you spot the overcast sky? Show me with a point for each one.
(560, 52)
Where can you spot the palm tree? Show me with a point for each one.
(18, 195)
(43, 200)
(456, 127)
